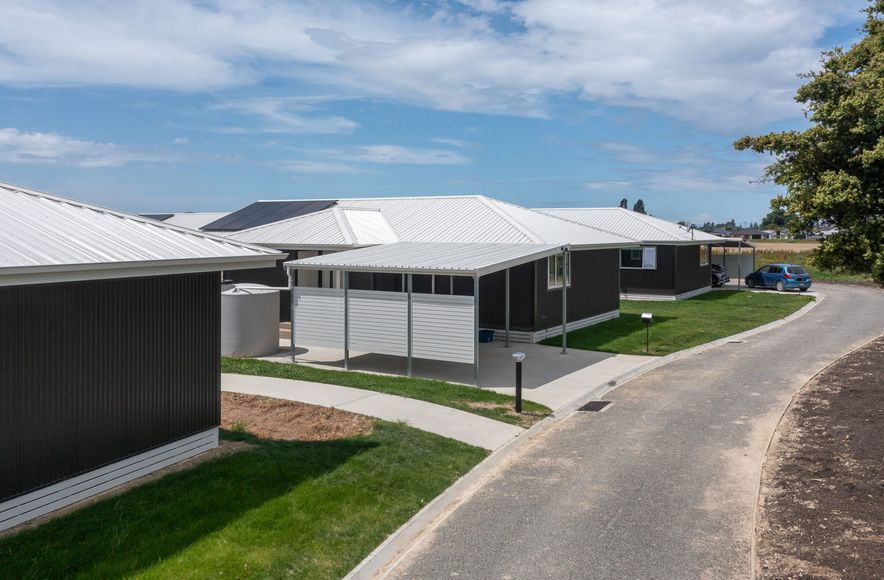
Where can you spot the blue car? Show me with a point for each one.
(780, 276)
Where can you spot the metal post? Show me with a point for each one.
(565, 270)
(292, 315)
(647, 338)
(507, 324)
(739, 265)
(518, 386)
(347, 321)
(410, 324)
(475, 330)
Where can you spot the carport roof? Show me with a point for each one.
(441, 258)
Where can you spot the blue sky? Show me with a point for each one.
(176, 106)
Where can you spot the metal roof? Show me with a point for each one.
(334, 227)
(266, 212)
(444, 258)
(631, 224)
(45, 238)
(454, 219)
(193, 219)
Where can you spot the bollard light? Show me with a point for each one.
(647, 317)
(518, 357)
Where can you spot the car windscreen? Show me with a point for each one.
(797, 270)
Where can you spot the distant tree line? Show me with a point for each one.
(638, 207)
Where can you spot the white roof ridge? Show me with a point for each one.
(131, 217)
(492, 204)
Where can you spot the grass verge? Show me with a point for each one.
(470, 399)
(685, 323)
(285, 508)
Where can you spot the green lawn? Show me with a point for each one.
(471, 399)
(286, 508)
(685, 323)
(763, 257)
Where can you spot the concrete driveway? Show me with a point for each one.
(663, 484)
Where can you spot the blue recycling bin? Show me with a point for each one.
(486, 335)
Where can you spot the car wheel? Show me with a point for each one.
(780, 286)
(802, 289)
(750, 283)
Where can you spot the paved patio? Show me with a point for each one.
(548, 376)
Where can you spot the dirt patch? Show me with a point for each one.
(269, 418)
(821, 510)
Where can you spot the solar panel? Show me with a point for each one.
(266, 212)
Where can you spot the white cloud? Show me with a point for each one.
(725, 65)
(308, 166)
(394, 154)
(460, 143)
(34, 148)
(180, 141)
(287, 115)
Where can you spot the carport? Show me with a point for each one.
(443, 327)
(736, 259)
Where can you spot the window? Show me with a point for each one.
(557, 267)
(704, 255)
(644, 258)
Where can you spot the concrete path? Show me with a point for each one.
(445, 421)
(663, 484)
(561, 391)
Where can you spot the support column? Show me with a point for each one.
(292, 315)
(566, 270)
(740, 265)
(475, 330)
(506, 333)
(347, 321)
(410, 319)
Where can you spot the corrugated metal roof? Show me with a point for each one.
(194, 219)
(41, 234)
(336, 226)
(637, 226)
(457, 258)
(473, 219)
(266, 212)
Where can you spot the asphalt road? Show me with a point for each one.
(663, 483)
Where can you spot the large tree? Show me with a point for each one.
(624, 203)
(834, 171)
(640, 205)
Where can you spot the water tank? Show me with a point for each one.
(249, 320)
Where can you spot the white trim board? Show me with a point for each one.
(537, 336)
(665, 297)
(26, 507)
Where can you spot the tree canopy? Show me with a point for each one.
(833, 171)
(639, 206)
(624, 203)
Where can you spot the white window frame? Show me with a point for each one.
(704, 255)
(553, 275)
(647, 264)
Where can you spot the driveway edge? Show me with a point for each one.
(391, 551)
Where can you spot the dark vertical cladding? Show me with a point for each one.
(678, 270)
(690, 275)
(492, 299)
(93, 372)
(593, 288)
(658, 281)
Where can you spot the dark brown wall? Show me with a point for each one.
(690, 275)
(678, 270)
(659, 281)
(492, 298)
(593, 290)
(93, 372)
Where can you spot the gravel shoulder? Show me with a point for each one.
(821, 507)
